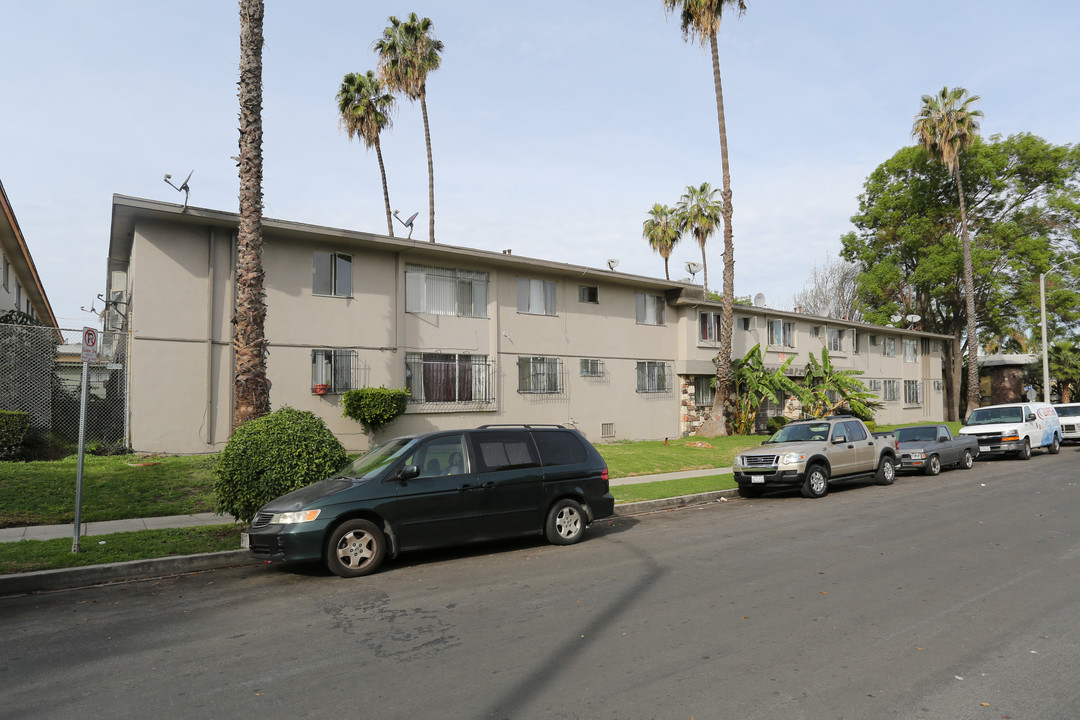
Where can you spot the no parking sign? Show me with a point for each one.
(90, 339)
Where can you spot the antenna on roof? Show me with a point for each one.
(407, 223)
(182, 187)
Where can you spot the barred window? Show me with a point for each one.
(333, 371)
(332, 274)
(912, 392)
(536, 297)
(445, 291)
(911, 350)
(892, 390)
(588, 294)
(591, 367)
(652, 377)
(447, 378)
(539, 375)
(704, 392)
(874, 386)
(649, 309)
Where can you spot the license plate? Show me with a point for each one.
(757, 481)
(245, 542)
(984, 448)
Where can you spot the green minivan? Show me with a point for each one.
(436, 489)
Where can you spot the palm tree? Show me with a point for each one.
(946, 126)
(662, 232)
(1064, 356)
(700, 19)
(408, 52)
(251, 387)
(365, 112)
(699, 213)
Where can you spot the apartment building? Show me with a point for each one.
(477, 337)
(20, 286)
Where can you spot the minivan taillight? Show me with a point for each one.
(603, 474)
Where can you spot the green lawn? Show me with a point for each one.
(649, 457)
(671, 488)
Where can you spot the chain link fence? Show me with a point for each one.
(41, 375)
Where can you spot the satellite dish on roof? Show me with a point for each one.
(896, 318)
(759, 300)
(407, 223)
(913, 318)
(613, 263)
(693, 268)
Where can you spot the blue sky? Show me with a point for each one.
(555, 126)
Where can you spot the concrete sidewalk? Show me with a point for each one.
(90, 529)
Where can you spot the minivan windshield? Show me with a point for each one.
(375, 460)
(800, 432)
(994, 415)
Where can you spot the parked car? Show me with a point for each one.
(813, 454)
(1015, 428)
(1069, 413)
(928, 448)
(437, 489)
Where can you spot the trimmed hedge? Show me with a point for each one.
(272, 455)
(14, 425)
(374, 408)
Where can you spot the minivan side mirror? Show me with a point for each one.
(408, 472)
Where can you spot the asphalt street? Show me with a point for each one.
(952, 597)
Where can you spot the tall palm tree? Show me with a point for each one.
(699, 213)
(364, 111)
(662, 232)
(251, 387)
(1065, 366)
(946, 126)
(408, 52)
(700, 19)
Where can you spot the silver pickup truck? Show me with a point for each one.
(929, 448)
(812, 454)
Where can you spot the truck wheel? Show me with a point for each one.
(968, 460)
(886, 473)
(816, 484)
(1055, 447)
(1024, 453)
(933, 466)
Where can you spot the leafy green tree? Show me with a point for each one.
(945, 126)
(251, 386)
(408, 53)
(700, 20)
(826, 389)
(1024, 204)
(1064, 359)
(661, 230)
(364, 111)
(754, 383)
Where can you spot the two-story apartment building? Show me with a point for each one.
(476, 336)
(20, 286)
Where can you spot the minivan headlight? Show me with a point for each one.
(291, 518)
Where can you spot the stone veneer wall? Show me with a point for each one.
(690, 415)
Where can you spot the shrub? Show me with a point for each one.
(775, 423)
(374, 408)
(13, 427)
(272, 455)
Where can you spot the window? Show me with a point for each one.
(592, 368)
(888, 346)
(536, 297)
(874, 386)
(539, 375)
(708, 326)
(652, 377)
(854, 340)
(505, 450)
(588, 294)
(911, 351)
(18, 294)
(441, 456)
(332, 371)
(704, 392)
(447, 378)
(836, 340)
(854, 431)
(607, 429)
(912, 392)
(892, 390)
(558, 447)
(650, 309)
(445, 291)
(781, 334)
(815, 331)
(938, 386)
(7, 274)
(744, 323)
(332, 275)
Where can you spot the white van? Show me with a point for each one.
(1015, 428)
(1069, 414)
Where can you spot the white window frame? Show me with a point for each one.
(704, 392)
(339, 282)
(536, 297)
(446, 291)
(836, 340)
(891, 392)
(911, 350)
(783, 332)
(653, 376)
(589, 294)
(592, 367)
(913, 392)
(709, 324)
(888, 347)
(479, 390)
(649, 309)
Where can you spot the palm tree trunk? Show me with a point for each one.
(974, 394)
(430, 167)
(704, 271)
(723, 365)
(667, 275)
(251, 388)
(385, 190)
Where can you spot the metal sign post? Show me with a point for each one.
(90, 339)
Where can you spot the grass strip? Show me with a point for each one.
(650, 457)
(671, 488)
(30, 555)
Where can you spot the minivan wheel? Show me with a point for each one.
(933, 466)
(816, 484)
(565, 522)
(1024, 453)
(355, 548)
(1055, 447)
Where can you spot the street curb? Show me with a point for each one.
(67, 578)
(648, 506)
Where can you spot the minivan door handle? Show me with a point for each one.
(466, 487)
(488, 484)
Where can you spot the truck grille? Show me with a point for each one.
(752, 461)
(989, 438)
